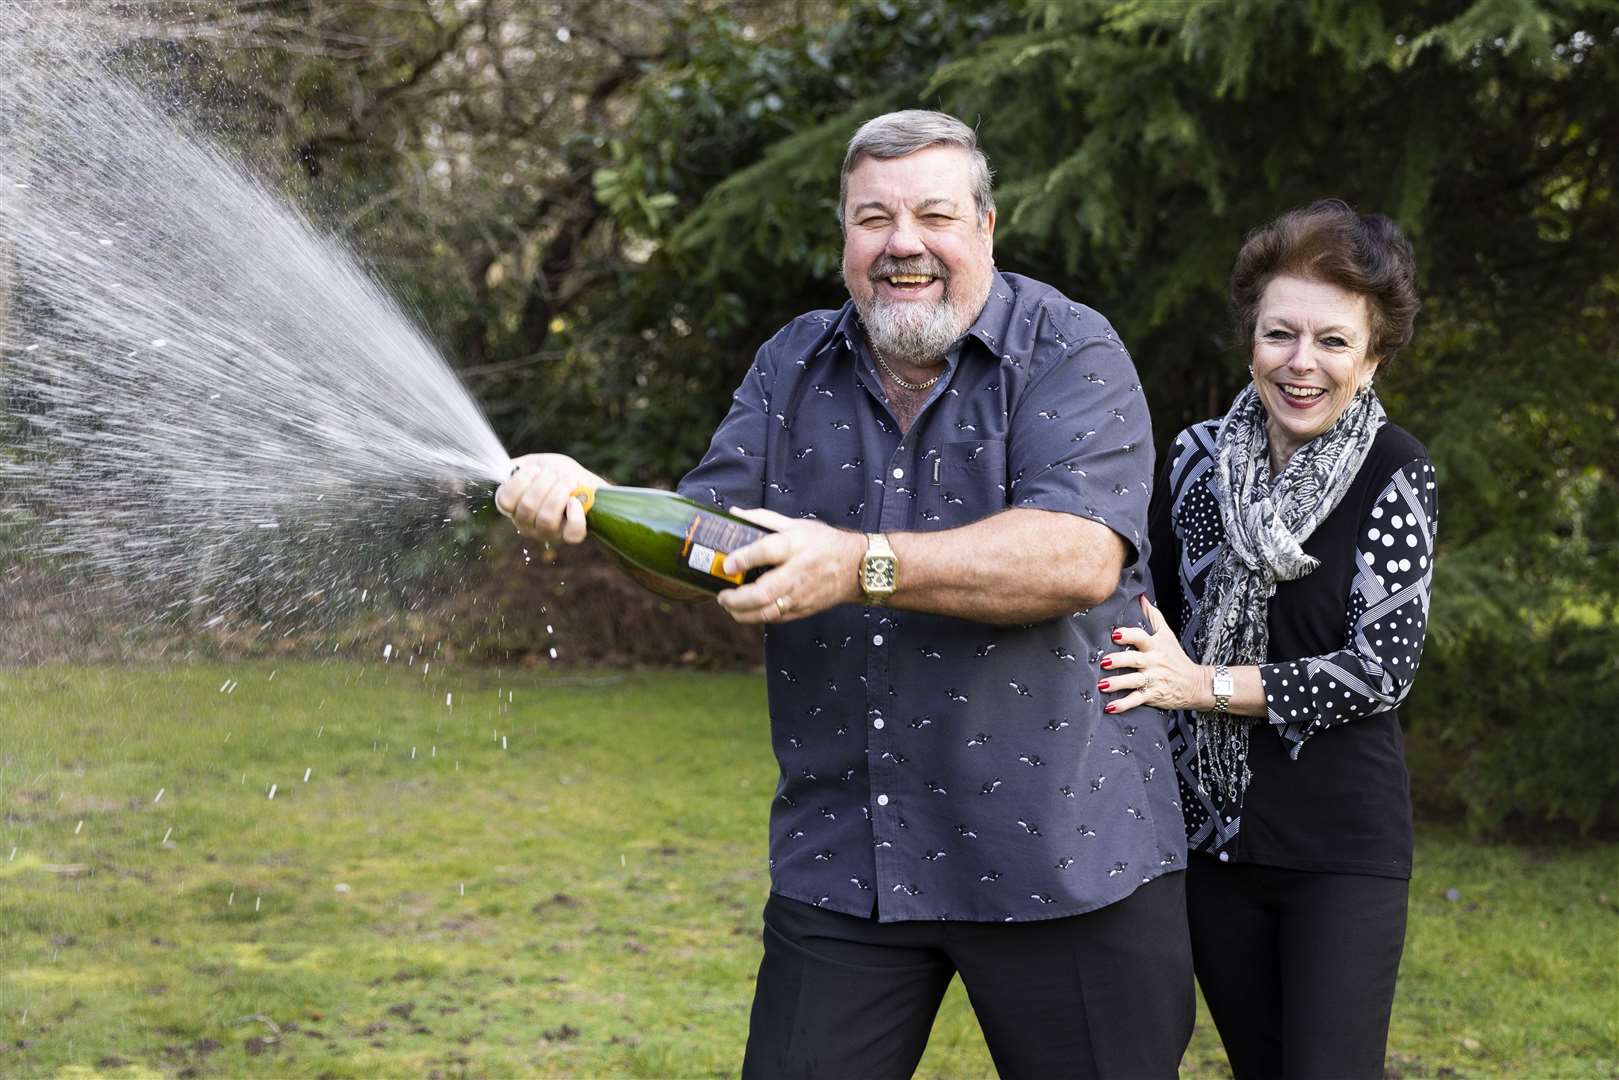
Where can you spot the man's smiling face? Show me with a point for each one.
(917, 257)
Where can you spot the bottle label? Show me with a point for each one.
(709, 539)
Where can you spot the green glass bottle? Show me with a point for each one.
(668, 535)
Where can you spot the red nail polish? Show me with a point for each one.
(1117, 636)
(1102, 686)
(1111, 708)
(1107, 663)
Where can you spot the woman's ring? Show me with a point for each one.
(783, 603)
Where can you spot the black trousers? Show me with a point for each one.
(1104, 994)
(1297, 967)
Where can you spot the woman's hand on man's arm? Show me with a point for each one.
(1152, 669)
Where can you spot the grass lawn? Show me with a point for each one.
(360, 870)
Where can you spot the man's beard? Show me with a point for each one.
(908, 332)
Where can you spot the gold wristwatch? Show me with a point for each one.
(879, 570)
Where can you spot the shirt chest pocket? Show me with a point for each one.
(965, 482)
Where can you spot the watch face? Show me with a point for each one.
(877, 575)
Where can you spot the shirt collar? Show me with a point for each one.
(993, 322)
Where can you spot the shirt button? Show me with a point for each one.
(899, 474)
(876, 639)
(882, 800)
(1225, 856)
(877, 723)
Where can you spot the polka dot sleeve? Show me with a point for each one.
(1386, 620)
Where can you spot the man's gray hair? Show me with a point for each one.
(898, 134)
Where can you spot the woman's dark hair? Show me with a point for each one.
(1330, 243)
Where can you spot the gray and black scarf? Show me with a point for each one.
(1266, 523)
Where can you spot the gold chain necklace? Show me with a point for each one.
(904, 384)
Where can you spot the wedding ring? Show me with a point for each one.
(782, 604)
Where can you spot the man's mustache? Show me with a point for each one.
(921, 264)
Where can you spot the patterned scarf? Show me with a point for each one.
(1266, 525)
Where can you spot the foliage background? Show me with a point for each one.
(601, 209)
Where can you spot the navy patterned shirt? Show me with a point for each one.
(934, 767)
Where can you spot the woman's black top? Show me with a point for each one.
(1329, 790)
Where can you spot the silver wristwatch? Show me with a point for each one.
(1223, 687)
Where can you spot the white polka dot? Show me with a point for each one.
(1377, 511)
(1396, 521)
(1388, 541)
(1405, 564)
(1410, 539)
(1372, 534)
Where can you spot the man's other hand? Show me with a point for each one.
(815, 567)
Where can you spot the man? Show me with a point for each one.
(957, 465)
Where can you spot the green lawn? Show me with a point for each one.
(502, 874)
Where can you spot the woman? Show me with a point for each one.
(1292, 548)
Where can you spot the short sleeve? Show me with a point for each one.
(1386, 619)
(732, 471)
(1080, 441)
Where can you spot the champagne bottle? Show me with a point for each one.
(671, 536)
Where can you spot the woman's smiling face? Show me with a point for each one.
(1310, 356)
